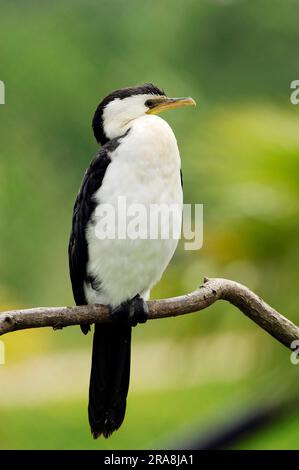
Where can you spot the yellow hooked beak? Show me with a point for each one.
(158, 105)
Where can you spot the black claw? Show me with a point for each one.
(121, 313)
(85, 329)
(138, 311)
(131, 312)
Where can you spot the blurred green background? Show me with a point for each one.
(240, 158)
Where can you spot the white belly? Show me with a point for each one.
(145, 169)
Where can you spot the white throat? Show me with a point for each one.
(119, 113)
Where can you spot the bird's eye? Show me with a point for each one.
(150, 103)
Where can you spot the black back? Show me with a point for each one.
(110, 370)
(83, 210)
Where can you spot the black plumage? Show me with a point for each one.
(109, 378)
(82, 213)
(83, 209)
(97, 122)
(110, 369)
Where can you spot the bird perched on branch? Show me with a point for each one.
(138, 160)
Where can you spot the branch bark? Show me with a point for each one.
(282, 329)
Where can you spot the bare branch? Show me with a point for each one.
(212, 290)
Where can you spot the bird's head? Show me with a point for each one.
(116, 111)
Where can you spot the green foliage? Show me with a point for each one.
(154, 418)
(239, 148)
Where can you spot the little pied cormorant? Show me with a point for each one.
(139, 159)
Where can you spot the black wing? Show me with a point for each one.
(83, 209)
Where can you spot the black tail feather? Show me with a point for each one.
(109, 378)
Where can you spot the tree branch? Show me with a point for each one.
(212, 290)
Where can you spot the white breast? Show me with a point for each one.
(145, 169)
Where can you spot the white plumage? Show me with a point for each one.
(145, 169)
(138, 163)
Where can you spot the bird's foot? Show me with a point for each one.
(131, 312)
(120, 314)
(138, 311)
